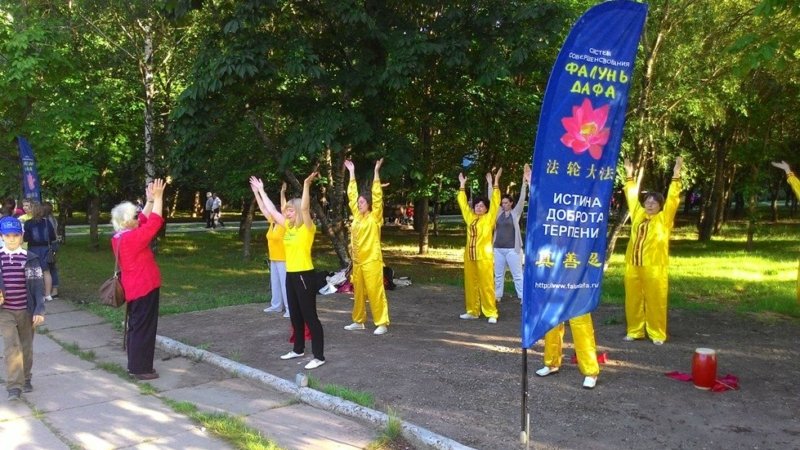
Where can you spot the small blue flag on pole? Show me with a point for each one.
(574, 166)
(31, 187)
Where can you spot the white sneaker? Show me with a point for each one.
(292, 355)
(589, 382)
(658, 342)
(354, 326)
(467, 316)
(286, 314)
(314, 363)
(545, 371)
(492, 320)
(48, 298)
(628, 338)
(273, 309)
(380, 330)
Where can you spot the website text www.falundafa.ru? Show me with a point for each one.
(566, 285)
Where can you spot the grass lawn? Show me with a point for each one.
(205, 270)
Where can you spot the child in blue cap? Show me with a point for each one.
(21, 306)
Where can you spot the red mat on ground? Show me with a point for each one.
(727, 383)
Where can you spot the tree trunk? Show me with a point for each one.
(197, 207)
(421, 217)
(246, 228)
(147, 72)
(63, 208)
(94, 215)
(716, 198)
(421, 210)
(174, 203)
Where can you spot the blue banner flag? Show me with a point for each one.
(574, 166)
(30, 177)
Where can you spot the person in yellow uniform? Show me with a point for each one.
(647, 257)
(479, 296)
(277, 256)
(585, 349)
(301, 291)
(795, 184)
(365, 240)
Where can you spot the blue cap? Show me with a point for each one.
(10, 225)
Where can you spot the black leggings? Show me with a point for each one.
(302, 299)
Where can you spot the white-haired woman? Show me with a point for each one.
(141, 278)
(301, 291)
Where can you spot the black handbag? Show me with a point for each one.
(50, 257)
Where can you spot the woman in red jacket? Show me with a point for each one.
(141, 278)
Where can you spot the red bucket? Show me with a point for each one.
(704, 368)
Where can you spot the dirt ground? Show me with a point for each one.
(462, 378)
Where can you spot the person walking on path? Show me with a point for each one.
(216, 211)
(277, 255)
(479, 295)
(209, 210)
(507, 241)
(39, 234)
(141, 278)
(647, 257)
(791, 178)
(21, 306)
(365, 238)
(301, 289)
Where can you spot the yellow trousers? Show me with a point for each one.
(367, 282)
(479, 288)
(646, 289)
(798, 283)
(585, 347)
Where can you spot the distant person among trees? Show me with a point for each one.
(216, 212)
(365, 238)
(301, 289)
(277, 254)
(791, 178)
(508, 239)
(39, 233)
(208, 211)
(141, 277)
(479, 295)
(647, 257)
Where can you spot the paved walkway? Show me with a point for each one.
(76, 404)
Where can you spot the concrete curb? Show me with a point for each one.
(415, 434)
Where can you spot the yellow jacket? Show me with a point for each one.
(649, 243)
(794, 183)
(480, 229)
(365, 231)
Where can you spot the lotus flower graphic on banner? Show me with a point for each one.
(586, 129)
